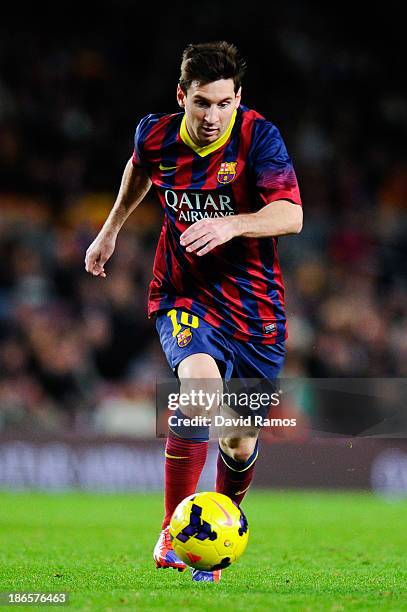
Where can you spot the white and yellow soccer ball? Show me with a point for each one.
(209, 531)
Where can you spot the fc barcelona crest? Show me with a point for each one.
(184, 337)
(227, 172)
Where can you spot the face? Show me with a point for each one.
(208, 109)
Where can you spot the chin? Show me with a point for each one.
(206, 138)
(209, 139)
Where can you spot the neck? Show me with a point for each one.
(205, 149)
(192, 135)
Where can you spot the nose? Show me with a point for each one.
(212, 114)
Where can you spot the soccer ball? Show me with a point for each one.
(209, 531)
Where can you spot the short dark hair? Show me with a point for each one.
(208, 62)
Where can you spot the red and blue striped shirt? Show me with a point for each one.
(237, 287)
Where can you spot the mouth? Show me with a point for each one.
(209, 131)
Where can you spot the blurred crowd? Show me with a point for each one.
(78, 352)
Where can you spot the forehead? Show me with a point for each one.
(214, 91)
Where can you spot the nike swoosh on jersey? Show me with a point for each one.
(162, 167)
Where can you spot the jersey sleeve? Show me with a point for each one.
(139, 155)
(273, 169)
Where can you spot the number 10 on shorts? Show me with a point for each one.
(186, 319)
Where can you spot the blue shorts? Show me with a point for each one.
(183, 334)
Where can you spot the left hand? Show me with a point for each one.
(206, 234)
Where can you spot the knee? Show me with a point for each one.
(238, 452)
(241, 455)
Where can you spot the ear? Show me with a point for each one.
(238, 97)
(181, 95)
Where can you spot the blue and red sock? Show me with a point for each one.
(184, 462)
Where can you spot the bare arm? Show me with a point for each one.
(134, 186)
(278, 218)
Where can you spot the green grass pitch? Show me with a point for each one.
(307, 551)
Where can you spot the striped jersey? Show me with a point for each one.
(237, 287)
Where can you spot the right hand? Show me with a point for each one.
(97, 255)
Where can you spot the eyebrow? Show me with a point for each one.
(202, 98)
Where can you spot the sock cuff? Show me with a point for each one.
(191, 433)
(238, 466)
(185, 450)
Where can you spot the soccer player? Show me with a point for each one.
(228, 190)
